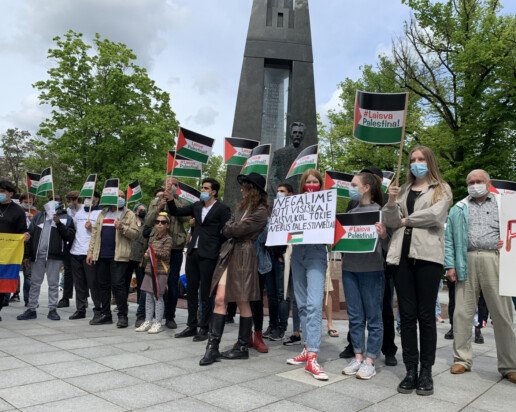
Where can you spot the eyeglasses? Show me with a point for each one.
(160, 222)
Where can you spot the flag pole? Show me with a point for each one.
(402, 143)
(28, 191)
(53, 192)
(91, 199)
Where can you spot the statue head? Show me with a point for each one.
(297, 132)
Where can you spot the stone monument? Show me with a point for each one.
(276, 83)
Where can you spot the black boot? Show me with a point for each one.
(408, 384)
(240, 349)
(478, 335)
(425, 383)
(449, 335)
(212, 354)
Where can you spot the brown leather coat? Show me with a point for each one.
(242, 283)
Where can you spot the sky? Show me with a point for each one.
(193, 49)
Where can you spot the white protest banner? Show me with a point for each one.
(303, 219)
(508, 251)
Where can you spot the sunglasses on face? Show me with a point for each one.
(160, 222)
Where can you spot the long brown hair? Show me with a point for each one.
(375, 185)
(434, 175)
(304, 178)
(253, 198)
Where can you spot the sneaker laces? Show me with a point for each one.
(302, 356)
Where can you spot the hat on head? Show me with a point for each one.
(255, 179)
(373, 170)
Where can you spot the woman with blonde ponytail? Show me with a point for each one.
(416, 212)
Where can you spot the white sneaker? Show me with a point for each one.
(366, 371)
(156, 328)
(352, 368)
(144, 327)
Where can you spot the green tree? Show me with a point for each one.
(16, 146)
(108, 116)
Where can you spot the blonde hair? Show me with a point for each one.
(434, 175)
(304, 178)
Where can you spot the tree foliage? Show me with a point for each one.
(108, 116)
(457, 60)
(16, 145)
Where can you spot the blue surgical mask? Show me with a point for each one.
(354, 193)
(121, 202)
(205, 196)
(419, 169)
(3, 197)
(280, 195)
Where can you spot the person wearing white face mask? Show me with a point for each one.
(110, 249)
(472, 241)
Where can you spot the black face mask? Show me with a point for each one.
(142, 214)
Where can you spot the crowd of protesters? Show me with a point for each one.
(228, 266)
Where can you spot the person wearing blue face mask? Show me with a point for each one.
(110, 250)
(202, 253)
(416, 212)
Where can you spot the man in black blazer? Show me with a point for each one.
(202, 253)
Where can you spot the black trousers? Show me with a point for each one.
(172, 294)
(111, 276)
(417, 285)
(231, 309)
(85, 282)
(257, 305)
(483, 311)
(451, 300)
(199, 273)
(389, 348)
(67, 277)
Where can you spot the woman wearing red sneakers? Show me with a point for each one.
(308, 265)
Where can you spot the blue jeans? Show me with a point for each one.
(364, 297)
(308, 278)
(278, 306)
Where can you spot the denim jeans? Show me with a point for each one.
(278, 305)
(172, 294)
(364, 297)
(309, 264)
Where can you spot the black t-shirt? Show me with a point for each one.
(407, 238)
(12, 218)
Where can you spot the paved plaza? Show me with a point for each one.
(71, 366)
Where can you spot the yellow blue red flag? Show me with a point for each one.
(11, 256)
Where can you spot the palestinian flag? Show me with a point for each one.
(154, 273)
(134, 192)
(502, 187)
(294, 237)
(184, 167)
(387, 179)
(194, 146)
(258, 162)
(33, 182)
(109, 195)
(338, 180)
(355, 232)
(89, 186)
(307, 159)
(379, 117)
(188, 193)
(46, 183)
(238, 150)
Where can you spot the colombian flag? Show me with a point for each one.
(11, 256)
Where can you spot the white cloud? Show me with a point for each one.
(207, 81)
(332, 104)
(204, 117)
(29, 116)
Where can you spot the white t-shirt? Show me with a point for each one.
(205, 211)
(82, 235)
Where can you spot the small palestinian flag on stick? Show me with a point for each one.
(502, 187)
(134, 192)
(307, 159)
(194, 146)
(88, 188)
(387, 179)
(188, 193)
(356, 232)
(32, 182)
(46, 183)
(184, 167)
(258, 162)
(338, 180)
(109, 195)
(154, 273)
(380, 117)
(238, 150)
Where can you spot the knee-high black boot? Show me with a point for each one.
(215, 332)
(240, 349)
